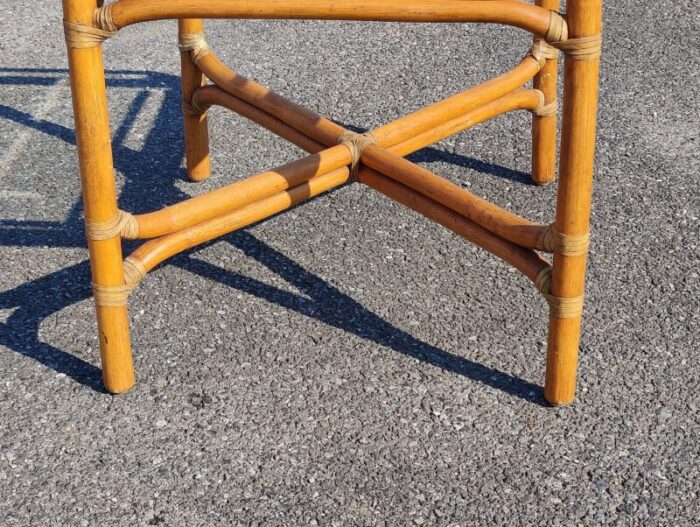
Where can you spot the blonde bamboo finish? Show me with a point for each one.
(99, 196)
(573, 198)
(195, 126)
(327, 132)
(213, 95)
(382, 166)
(489, 216)
(544, 128)
(516, 100)
(514, 13)
(524, 260)
(322, 130)
(236, 195)
(155, 251)
(459, 104)
(230, 197)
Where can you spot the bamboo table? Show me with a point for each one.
(337, 156)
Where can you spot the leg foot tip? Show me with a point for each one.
(116, 388)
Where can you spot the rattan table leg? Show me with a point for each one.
(195, 123)
(99, 198)
(574, 199)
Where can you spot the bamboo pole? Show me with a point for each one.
(510, 12)
(573, 198)
(526, 261)
(195, 126)
(544, 128)
(210, 95)
(240, 193)
(320, 129)
(432, 115)
(235, 195)
(516, 100)
(327, 132)
(510, 226)
(156, 251)
(99, 196)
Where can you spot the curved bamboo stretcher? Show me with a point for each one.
(337, 156)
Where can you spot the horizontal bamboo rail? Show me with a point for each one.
(213, 95)
(319, 128)
(526, 261)
(488, 215)
(157, 250)
(529, 17)
(309, 131)
(236, 195)
(516, 100)
(327, 132)
(434, 114)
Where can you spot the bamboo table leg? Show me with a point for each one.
(195, 123)
(573, 198)
(544, 127)
(183, 225)
(99, 196)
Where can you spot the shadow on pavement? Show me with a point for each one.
(150, 174)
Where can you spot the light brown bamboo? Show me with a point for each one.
(156, 251)
(320, 129)
(573, 199)
(544, 128)
(236, 195)
(526, 261)
(327, 132)
(516, 100)
(99, 196)
(510, 226)
(196, 130)
(514, 13)
(210, 95)
(426, 118)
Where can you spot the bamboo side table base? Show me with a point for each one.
(337, 156)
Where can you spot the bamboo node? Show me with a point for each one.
(121, 224)
(102, 18)
(543, 51)
(559, 307)
(194, 43)
(110, 295)
(356, 143)
(581, 48)
(82, 36)
(134, 271)
(553, 241)
(558, 29)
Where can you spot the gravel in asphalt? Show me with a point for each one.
(349, 362)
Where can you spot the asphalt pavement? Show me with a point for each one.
(349, 362)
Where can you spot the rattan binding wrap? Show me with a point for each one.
(553, 241)
(581, 48)
(117, 295)
(559, 307)
(196, 44)
(357, 144)
(122, 224)
(110, 295)
(134, 271)
(81, 36)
